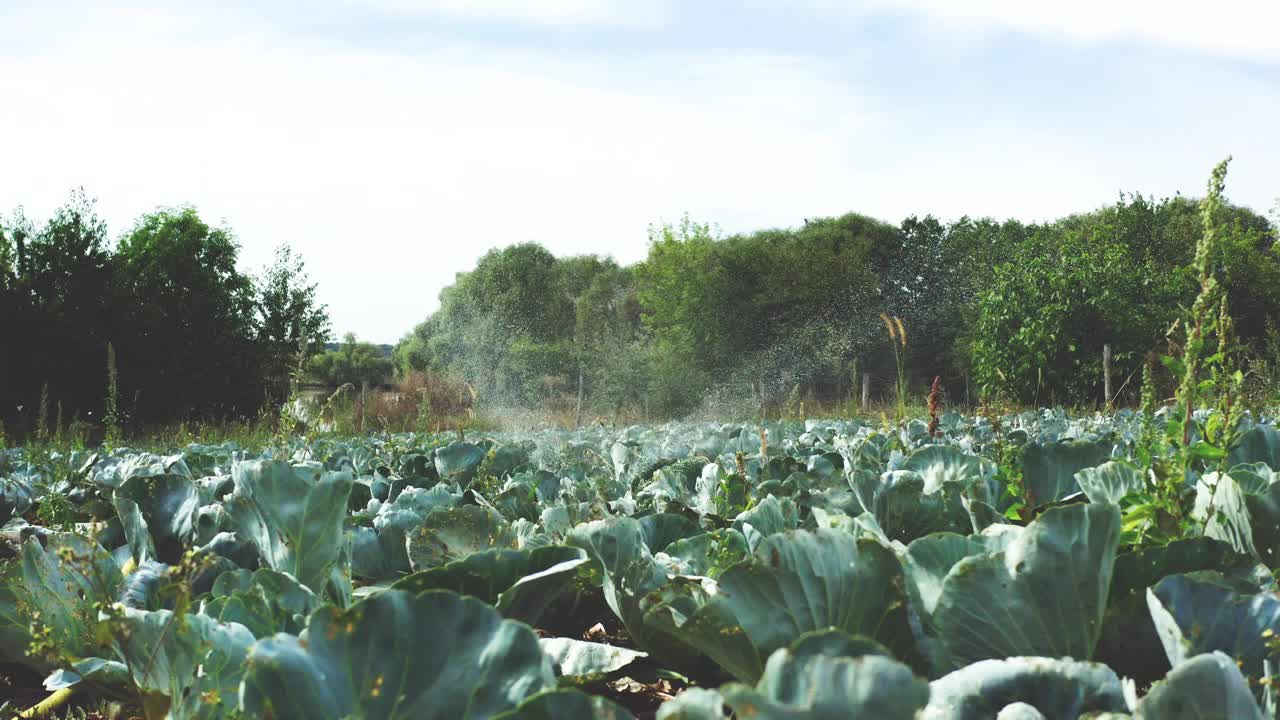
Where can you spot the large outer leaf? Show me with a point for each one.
(1109, 482)
(1223, 506)
(57, 587)
(565, 704)
(458, 462)
(1059, 689)
(265, 601)
(168, 503)
(629, 574)
(522, 583)
(580, 661)
(1044, 595)
(1258, 444)
(709, 554)
(905, 511)
(16, 497)
(942, 464)
(438, 655)
(927, 562)
(694, 704)
(796, 582)
(163, 652)
(1049, 469)
(15, 622)
(454, 533)
(1264, 519)
(818, 687)
(1129, 642)
(769, 517)
(1206, 687)
(1196, 615)
(293, 515)
(136, 532)
(662, 529)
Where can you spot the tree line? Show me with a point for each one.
(1001, 310)
(192, 335)
(706, 322)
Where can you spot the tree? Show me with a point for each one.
(187, 349)
(65, 309)
(353, 362)
(1113, 276)
(291, 320)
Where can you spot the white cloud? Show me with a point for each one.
(1246, 29)
(391, 172)
(538, 12)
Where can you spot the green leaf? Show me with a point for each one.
(796, 582)
(434, 656)
(458, 462)
(940, 465)
(265, 601)
(694, 704)
(1223, 508)
(452, 534)
(1206, 687)
(96, 672)
(905, 511)
(709, 554)
(168, 505)
(1109, 482)
(581, 661)
(521, 583)
(1042, 596)
(1056, 688)
(184, 657)
(57, 586)
(1049, 469)
(1129, 642)
(629, 576)
(1205, 451)
(563, 704)
(1197, 614)
(818, 687)
(293, 515)
(1264, 521)
(769, 517)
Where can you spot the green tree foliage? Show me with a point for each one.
(509, 327)
(55, 310)
(1115, 276)
(353, 362)
(1022, 310)
(290, 319)
(190, 311)
(192, 334)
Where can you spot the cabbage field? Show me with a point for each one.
(1013, 567)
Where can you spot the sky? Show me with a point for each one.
(393, 142)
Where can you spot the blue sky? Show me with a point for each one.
(394, 141)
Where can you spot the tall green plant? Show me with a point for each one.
(42, 415)
(111, 418)
(1208, 320)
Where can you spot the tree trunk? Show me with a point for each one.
(866, 389)
(1106, 376)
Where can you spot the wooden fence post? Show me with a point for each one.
(364, 389)
(1106, 375)
(866, 389)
